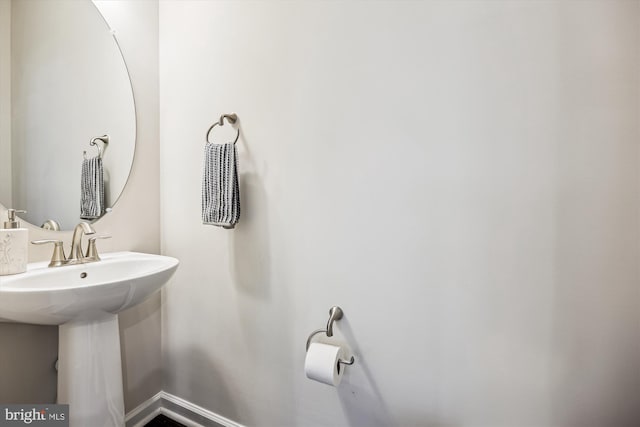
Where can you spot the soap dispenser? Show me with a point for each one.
(14, 243)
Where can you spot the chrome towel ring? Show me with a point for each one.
(105, 141)
(231, 118)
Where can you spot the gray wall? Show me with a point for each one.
(134, 225)
(461, 177)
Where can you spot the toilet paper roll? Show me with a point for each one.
(321, 363)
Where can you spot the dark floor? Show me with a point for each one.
(162, 421)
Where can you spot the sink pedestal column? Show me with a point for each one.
(90, 372)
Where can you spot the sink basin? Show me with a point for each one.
(84, 300)
(53, 296)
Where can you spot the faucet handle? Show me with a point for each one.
(92, 251)
(58, 257)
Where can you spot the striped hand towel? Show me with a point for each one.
(92, 189)
(220, 187)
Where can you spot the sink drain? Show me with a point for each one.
(83, 275)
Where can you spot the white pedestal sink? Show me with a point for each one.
(84, 300)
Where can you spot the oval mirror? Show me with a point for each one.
(63, 82)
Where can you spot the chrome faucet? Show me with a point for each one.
(77, 256)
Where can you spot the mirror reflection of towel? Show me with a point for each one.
(220, 187)
(92, 189)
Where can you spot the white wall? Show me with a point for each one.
(461, 177)
(28, 352)
(5, 99)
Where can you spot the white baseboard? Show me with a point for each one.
(144, 412)
(178, 409)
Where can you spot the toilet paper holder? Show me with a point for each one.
(335, 313)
